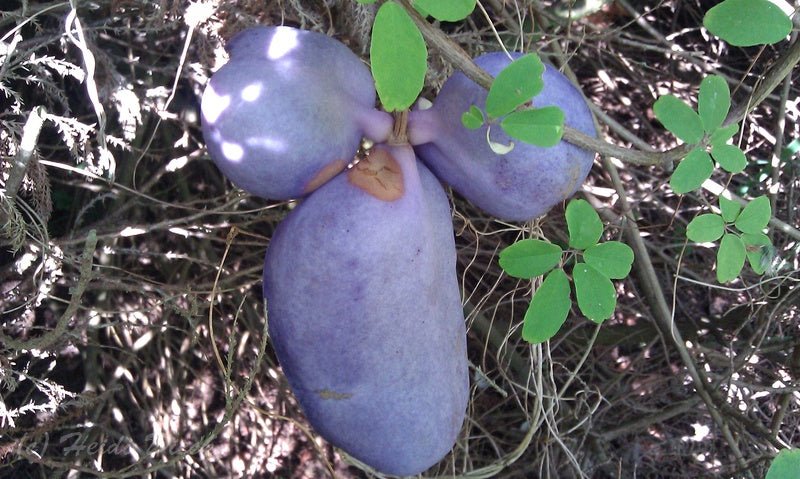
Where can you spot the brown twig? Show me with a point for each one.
(454, 54)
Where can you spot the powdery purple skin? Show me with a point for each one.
(365, 317)
(522, 184)
(288, 111)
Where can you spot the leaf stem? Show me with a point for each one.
(460, 59)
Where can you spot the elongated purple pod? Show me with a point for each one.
(520, 185)
(365, 314)
(288, 111)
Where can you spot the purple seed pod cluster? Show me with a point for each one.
(363, 301)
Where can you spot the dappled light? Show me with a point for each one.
(216, 104)
(282, 44)
(152, 152)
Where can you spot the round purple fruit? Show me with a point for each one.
(288, 111)
(522, 184)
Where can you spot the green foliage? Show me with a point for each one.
(730, 209)
(729, 157)
(713, 102)
(515, 85)
(509, 101)
(540, 126)
(746, 23)
(679, 118)
(692, 171)
(529, 258)
(612, 258)
(399, 57)
(472, 118)
(705, 228)
(703, 129)
(446, 10)
(548, 309)
(723, 134)
(594, 290)
(399, 61)
(786, 465)
(585, 227)
(730, 257)
(748, 242)
(758, 248)
(790, 150)
(755, 216)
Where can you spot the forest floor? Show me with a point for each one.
(134, 339)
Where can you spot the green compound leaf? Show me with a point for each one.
(790, 150)
(722, 135)
(730, 258)
(540, 126)
(692, 171)
(583, 224)
(366, 2)
(447, 10)
(596, 295)
(548, 309)
(529, 258)
(679, 119)
(612, 259)
(472, 119)
(399, 57)
(729, 157)
(758, 248)
(706, 228)
(786, 465)
(515, 85)
(713, 102)
(755, 216)
(745, 23)
(730, 209)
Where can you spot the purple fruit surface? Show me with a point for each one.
(517, 186)
(288, 111)
(365, 314)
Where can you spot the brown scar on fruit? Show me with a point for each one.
(378, 174)
(326, 173)
(328, 394)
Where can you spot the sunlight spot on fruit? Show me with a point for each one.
(251, 92)
(266, 143)
(214, 104)
(284, 41)
(232, 151)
